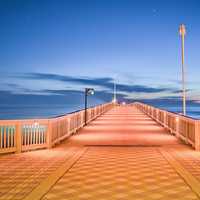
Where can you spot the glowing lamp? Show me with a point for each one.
(182, 29)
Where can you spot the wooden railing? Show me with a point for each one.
(185, 128)
(24, 135)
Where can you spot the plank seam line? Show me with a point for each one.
(51, 180)
(189, 179)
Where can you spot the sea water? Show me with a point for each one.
(48, 111)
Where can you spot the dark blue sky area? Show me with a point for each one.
(54, 48)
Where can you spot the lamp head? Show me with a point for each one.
(114, 100)
(89, 91)
(92, 92)
(182, 29)
(123, 103)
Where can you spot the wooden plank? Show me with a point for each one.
(186, 175)
(46, 185)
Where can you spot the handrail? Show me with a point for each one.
(75, 111)
(185, 128)
(30, 134)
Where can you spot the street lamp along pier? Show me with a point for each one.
(88, 91)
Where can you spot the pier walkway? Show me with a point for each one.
(121, 155)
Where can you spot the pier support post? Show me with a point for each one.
(197, 135)
(177, 120)
(49, 134)
(18, 137)
(164, 119)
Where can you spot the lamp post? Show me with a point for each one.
(182, 32)
(114, 92)
(88, 91)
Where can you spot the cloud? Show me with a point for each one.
(101, 95)
(104, 83)
(140, 89)
(14, 85)
(4, 93)
(107, 82)
(180, 91)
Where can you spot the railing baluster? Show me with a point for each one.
(8, 137)
(1, 137)
(19, 137)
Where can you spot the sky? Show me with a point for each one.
(50, 50)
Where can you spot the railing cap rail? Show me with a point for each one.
(170, 112)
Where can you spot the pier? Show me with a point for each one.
(132, 151)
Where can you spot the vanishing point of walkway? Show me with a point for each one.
(123, 154)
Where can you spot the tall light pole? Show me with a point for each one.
(182, 32)
(114, 92)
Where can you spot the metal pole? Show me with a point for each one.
(182, 32)
(183, 76)
(86, 106)
(114, 95)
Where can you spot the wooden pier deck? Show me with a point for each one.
(121, 155)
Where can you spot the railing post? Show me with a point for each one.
(157, 117)
(19, 137)
(69, 124)
(49, 134)
(177, 126)
(95, 112)
(197, 135)
(164, 119)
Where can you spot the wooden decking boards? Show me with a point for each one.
(123, 154)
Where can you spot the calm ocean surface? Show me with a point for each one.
(46, 111)
(36, 111)
(192, 111)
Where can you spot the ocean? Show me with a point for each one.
(48, 111)
(36, 111)
(192, 111)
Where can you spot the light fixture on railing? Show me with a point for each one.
(88, 91)
(36, 124)
(114, 92)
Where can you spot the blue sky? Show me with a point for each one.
(52, 49)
